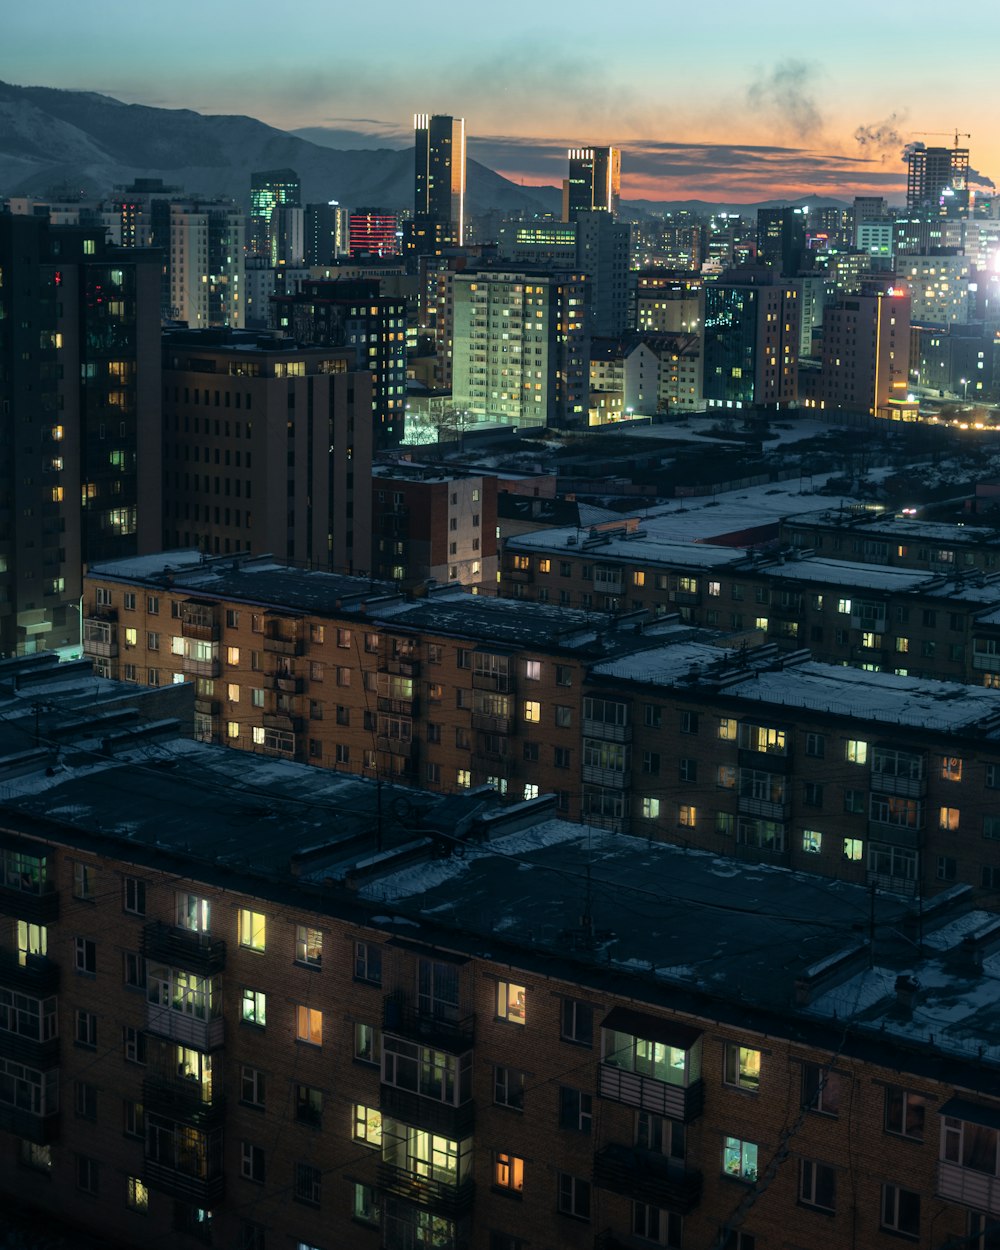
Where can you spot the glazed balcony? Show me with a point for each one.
(438, 1196)
(402, 1017)
(36, 975)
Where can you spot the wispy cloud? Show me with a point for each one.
(784, 95)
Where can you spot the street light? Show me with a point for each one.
(965, 388)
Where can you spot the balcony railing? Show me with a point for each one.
(606, 731)
(41, 907)
(440, 1197)
(185, 1029)
(907, 886)
(400, 1016)
(288, 684)
(647, 1177)
(677, 1102)
(764, 808)
(396, 746)
(182, 1099)
(29, 1050)
(36, 975)
(398, 707)
(200, 668)
(887, 783)
(203, 1190)
(183, 948)
(400, 666)
(502, 683)
(284, 646)
(200, 630)
(208, 707)
(428, 1113)
(896, 835)
(39, 1129)
(968, 1187)
(491, 724)
(609, 778)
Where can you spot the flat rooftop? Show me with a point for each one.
(796, 682)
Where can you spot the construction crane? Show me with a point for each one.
(959, 134)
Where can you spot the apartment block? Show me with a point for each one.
(79, 417)
(267, 448)
(429, 525)
(843, 603)
(244, 1007)
(520, 346)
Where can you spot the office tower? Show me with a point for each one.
(870, 208)
(781, 239)
(935, 176)
(287, 236)
(79, 419)
(751, 339)
(866, 353)
(268, 188)
(206, 264)
(265, 451)
(326, 227)
(594, 182)
(373, 232)
(521, 346)
(439, 174)
(352, 316)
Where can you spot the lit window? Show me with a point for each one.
(532, 711)
(687, 816)
(742, 1066)
(812, 841)
(727, 730)
(532, 671)
(951, 768)
(309, 1025)
(508, 1172)
(233, 656)
(252, 929)
(308, 946)
(254, 1007)
(510, 1002)
(948, 818)
(233, 730)
(136, 1194)
(856, 751)
(650, 809)
(193, 913)
(368, 1126)
(463, 778)
(739, 1159)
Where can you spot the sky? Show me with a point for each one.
(742, 102)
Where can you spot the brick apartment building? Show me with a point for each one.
(254, 1008)
(635, 725)
(881, 617)
(267, 447)
(429, 524)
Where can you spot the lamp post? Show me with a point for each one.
(965, 389)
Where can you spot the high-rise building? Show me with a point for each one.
(439, 174)
(265, 450)
(866, 353)
(79, 419)
(373, 232)
(288, 236)
(781, 239)
(751, 340)
(935, 176)
(521, 346)
(594, 182)
(593, 244)
(326, 227)
(206, 264)
(268, 188)
(352, 316)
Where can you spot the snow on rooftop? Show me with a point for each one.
(841, 690)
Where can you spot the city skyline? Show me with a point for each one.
(778, 112)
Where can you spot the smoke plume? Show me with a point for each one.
(880, 138)
(784, 95)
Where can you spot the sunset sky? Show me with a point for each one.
(734, 101)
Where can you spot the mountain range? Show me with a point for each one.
(87, 143)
